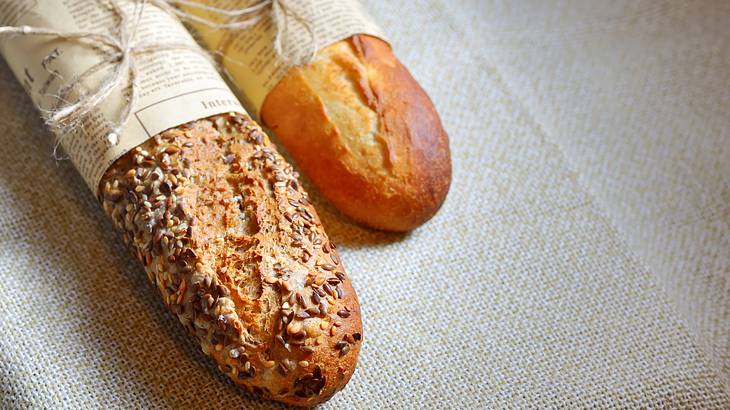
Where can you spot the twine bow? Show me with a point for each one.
(240, 19)
(120, 52)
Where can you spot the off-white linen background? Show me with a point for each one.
(520, 293)
(637, 96)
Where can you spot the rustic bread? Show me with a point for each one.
(238, 253)
(366, 134)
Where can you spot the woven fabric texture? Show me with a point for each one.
(635, 94)
(526, 290)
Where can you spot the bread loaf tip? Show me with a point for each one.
(365, 132)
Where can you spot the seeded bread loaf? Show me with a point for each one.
(367, 135)
(238, 253)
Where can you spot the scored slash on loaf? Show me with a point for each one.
(238, 253)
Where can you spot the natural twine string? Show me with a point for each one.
(243, 18)
(120, 52)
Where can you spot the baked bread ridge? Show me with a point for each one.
(365, 132)
(238, 253)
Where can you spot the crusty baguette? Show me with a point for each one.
(367, 135)
(228, 236)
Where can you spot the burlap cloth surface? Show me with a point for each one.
(580, 260)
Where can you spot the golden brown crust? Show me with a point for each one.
(238, 253)
(366, 134)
